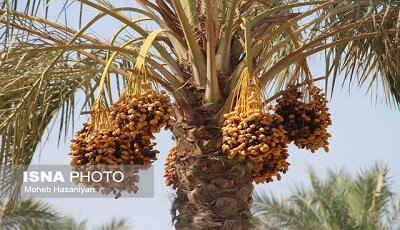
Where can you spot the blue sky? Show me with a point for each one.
(363, 132)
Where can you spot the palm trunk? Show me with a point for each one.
(212, 191)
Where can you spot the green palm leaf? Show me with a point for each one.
(337, 202)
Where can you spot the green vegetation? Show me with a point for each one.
(28, 214)
(340, 201)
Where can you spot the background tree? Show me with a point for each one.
(340, 201)
(26, 214)
(198, 51)
(115, 224)
(29, 214)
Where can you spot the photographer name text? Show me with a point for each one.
(57, 189)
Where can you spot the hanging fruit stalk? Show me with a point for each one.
(107, 147)
(169, 168)
(306, 118)
(145, 112)
(125, 138)
(252, 132)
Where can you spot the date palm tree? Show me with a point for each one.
(197, 51)
(340, 201)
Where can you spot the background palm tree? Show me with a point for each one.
(27, 214)
(339, 201)
(115, 224)
(196, 50)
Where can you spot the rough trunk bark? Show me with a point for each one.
(212, 191)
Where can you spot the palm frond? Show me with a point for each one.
(360, 39)
(369, 195)
(25, 90)
(370, 60)
(45, 65)
(29, 214)
(114, 224)
(337, 202)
